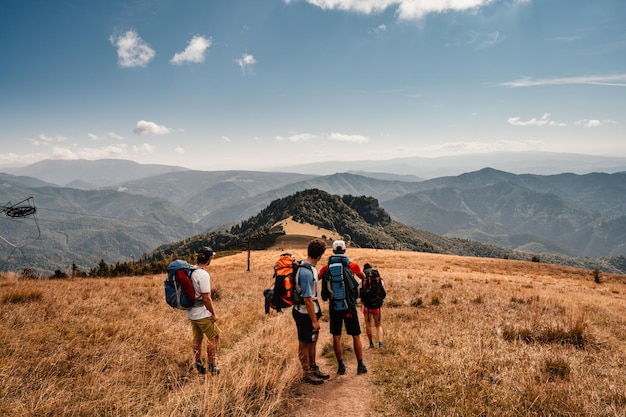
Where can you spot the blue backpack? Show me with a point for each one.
(339, 286)
(179, 292)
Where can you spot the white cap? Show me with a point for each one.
(339, 244)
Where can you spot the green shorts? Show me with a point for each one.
(204, 327)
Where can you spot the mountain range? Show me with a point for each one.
(114, 217)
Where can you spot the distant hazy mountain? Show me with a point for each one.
(543, 163)
(84, 174)
(82, 227)
(581, 215)
(365, 224)
(570, 214)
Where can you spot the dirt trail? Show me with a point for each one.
(342, 395)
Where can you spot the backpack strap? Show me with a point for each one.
(198, 301)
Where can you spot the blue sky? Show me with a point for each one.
(256, 84)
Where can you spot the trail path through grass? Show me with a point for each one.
(342, 395)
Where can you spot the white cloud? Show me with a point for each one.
(144, 148)
(45, 140)
(347, 138)
(111, 135)
(150, 128)
(405, 9)
(591, 123)
(132, 51)
(179, 151)
(460, 148)
(543, 121)
(417, 10)
(245, 62)
(300, 137)
(225, 139)
(194, 52)
(64, 152)
(114, 135)
(616, 80)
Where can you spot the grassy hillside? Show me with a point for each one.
(464, 336)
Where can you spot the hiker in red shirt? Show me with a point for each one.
(350, 317)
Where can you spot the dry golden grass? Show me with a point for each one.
(464, 337)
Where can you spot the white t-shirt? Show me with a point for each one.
(201, 281)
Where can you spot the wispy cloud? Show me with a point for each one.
(591, 123)
(46, 140)
(347, 138)
(108, 135)
(460, 148)
(616, 80)
(132, 51)
(300, 137)
(543, 121)
(484, 40)
(144, 148)
(145, 127)
(194, 52)
(246, 62)
(405, 9)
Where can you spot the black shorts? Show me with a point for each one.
(349, 317)
(304, 326)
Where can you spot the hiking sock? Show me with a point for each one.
(360, 362)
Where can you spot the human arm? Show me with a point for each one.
(208, 304)
(310, 309)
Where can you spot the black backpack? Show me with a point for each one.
(372, 290)
(339, 286)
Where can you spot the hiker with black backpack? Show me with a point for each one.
(306, 312)
(372, 293)
(202, 315)
(340, 289)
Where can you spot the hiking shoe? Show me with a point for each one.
(342, 369)
(215, 372)
(371, 345)
(361, 369)
(319, 373)
(200, 367)
(311, 378)
(380, 345)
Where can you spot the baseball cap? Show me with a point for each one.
(206, 251)
(339, 244)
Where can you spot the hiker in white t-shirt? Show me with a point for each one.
(202, 317)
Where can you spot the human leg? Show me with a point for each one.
(313, 362)
(353, 328)
(306, 347)
(379, 327)
(211, 351)
(336, 324)
(368, 325)
(206, 327)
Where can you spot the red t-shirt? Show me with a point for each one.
(354, 267)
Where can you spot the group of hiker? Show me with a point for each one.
(342, 307)
(338, 287)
